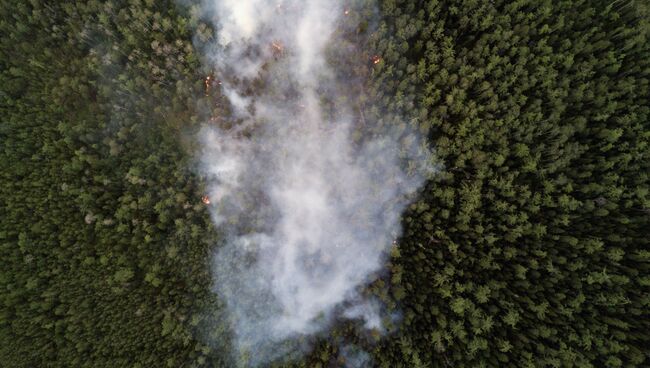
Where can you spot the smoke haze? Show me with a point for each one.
(307, 212)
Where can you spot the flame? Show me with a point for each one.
(346, 12)
(277, 46)
(205, 199)
(207, 85)
(376, 59)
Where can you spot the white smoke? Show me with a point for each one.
(355, 357)
(307, 213)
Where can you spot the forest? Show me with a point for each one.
(529, 247)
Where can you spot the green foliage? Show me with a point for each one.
(530, 247)
(103, 238)
(525, 249)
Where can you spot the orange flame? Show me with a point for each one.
(205, 199)
(376, 59)
(207, 85)
(277, 46)
(346, 12)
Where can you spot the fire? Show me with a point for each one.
(376, 59)
(207, 85)
(205, 199)
(277, 47)
(346, 12)
(210, 82)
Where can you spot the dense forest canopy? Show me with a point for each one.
(529, 247)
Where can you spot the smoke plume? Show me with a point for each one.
(307, 212)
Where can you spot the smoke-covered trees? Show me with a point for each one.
(529, 248)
